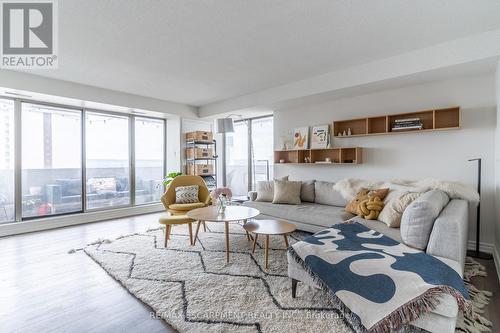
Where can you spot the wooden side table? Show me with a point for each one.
(267, 228)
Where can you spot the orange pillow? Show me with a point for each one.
(364, 194)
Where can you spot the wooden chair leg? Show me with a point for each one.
(248, 235)
(204, 227)
(167, 233)
(196, 232)
(294, 287)
(190, 227)
(254, 242)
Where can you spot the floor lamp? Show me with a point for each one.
(476, 253)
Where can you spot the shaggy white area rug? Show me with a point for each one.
(194, 290)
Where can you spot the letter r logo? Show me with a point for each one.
(27, 27)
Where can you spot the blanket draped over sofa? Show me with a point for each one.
(378, 283)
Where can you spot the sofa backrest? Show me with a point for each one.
(326, 194)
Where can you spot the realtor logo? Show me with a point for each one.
(29, 34)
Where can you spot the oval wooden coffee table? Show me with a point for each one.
(269, 227)
(231, 214)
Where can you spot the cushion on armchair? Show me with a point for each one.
(186, 207)
(186, 194)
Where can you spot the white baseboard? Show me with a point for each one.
(483, 247)
(15, 228)
(496, 258)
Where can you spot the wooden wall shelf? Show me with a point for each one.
(432, 120)
(318, 156)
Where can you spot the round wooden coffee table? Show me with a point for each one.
(231, 214)
(269, 227)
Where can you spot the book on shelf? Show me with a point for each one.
(408, 125)
(323, 162)
(406, 120)
(407, 128)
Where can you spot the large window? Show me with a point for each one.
(51, 160)
(149, 148)
(249, 161)
(263, 154)
(71, 160)
(7, 212)
(107, 160)
(237, 159)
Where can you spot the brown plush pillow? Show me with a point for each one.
(363, 194)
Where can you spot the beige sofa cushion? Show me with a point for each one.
(326, 194)
(307, 191)
(393, 210)
(265, 190)
(287, 192)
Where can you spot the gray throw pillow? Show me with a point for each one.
(325, 194)
(307, 191)
(186, 194)
(265, 190)
(286, 192)
(418, 218)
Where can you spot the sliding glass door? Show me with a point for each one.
(237, 159)
(149, 150)
(263, 153)
(51, 160)
(249, 161)
(71, 160)
(7, 206)
(107, 160)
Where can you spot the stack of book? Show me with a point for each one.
(407, 124)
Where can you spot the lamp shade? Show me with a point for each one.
(225, 125)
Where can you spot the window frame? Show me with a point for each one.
(131, 117)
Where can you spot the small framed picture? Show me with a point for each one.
(301, 138)
(320, 136)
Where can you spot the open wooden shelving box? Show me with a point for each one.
(432, 120)
(318, 156)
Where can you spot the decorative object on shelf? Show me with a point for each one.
(340, 134)
(344, 133)
(319, 138)
(282, 161)
(328, 159)
(221, 196)
(167, 180)
(284, 141)
(476, 253)
(301, 138)
(349, 131)
(406, 124)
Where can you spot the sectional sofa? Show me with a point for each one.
(446, 238)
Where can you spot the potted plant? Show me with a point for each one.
(168, 179)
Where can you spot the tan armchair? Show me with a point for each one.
(168, 199)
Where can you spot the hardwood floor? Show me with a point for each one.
(45, 289)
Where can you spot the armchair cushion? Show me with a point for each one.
(186, 207)
(186, 194)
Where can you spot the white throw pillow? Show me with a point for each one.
(265, 190)
(286, 192)
(186, 194)
(418, 218)
(393, 211)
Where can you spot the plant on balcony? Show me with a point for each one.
(168, 179)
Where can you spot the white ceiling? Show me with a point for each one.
(199, 52)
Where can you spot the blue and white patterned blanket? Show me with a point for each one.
(378, 283)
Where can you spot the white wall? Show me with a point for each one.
(43, 85)
(440, 155)
(497, 169)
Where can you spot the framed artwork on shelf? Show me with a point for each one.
(301, 138)
(320, 137)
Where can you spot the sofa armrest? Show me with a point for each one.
(450, 232)
(252, 195)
